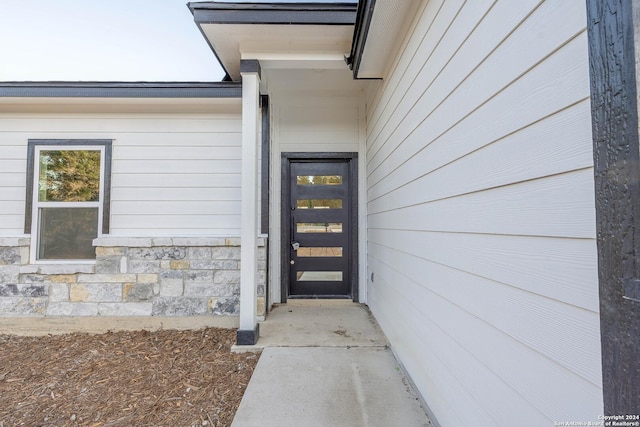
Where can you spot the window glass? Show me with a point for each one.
(319, 251)
(319, 227)
(318, 180)
(319, 203)
(69, 176)
(67, 233)
(319, 276)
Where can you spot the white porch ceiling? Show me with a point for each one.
(280, 46)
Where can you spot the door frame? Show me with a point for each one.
(352, 160)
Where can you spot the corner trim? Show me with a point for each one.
(266, 163)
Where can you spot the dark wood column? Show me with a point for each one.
(613, 52)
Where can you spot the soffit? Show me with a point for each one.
(233, 42)
(308, 32)
(381, 25)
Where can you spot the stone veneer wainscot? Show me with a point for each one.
(132, 276)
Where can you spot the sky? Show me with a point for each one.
(103, 40)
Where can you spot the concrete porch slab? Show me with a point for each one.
(326, 363)
(318, 323)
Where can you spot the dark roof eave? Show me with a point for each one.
(360, 33)
(121, 89)
(274, 13)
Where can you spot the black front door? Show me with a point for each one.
(319, 229)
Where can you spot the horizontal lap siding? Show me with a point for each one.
(481, 219)
(13, 164)
(171, 174)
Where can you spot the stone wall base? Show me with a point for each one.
(166, 277)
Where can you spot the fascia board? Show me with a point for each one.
(121, 89)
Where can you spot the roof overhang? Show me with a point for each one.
(379, 26)
(120, 97)
(121, 89)
(280, 35)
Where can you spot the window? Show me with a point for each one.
(68, 187)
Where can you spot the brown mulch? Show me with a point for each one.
(142, 378)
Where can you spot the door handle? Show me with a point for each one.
(295, 245)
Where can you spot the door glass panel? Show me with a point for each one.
(67, 233)
(319, 276)
(319, 203)
(319, 252)
(319, 227)
(319, 180)
(319, 200)
(69, 176)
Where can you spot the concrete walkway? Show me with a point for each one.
(326, 363)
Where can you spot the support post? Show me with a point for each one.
(249, 329)
(614, 35)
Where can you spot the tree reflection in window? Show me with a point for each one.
(68, 196)
(318, 180)
(69, 176)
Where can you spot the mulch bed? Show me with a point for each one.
(142, 378)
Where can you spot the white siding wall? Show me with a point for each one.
(481, 218)
(13, 164)
(316, 121)
(171, 174)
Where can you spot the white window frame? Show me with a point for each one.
(37, 205)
